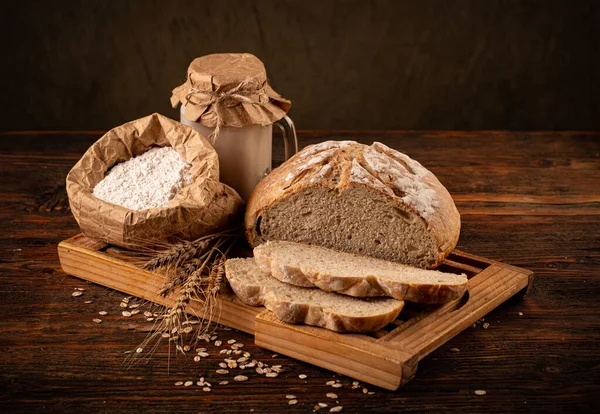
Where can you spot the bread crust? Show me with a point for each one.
(294, 312)
(371, 286)
(310, 314)
(316, 165)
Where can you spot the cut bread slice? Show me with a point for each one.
(310, 306)
(354, 275)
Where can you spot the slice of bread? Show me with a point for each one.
(310, 306)
(354, 275)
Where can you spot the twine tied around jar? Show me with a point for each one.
(247, 91)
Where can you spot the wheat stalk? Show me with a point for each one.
(196, 272)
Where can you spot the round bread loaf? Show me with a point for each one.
(370, 200)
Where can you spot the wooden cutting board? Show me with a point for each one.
(387, 358)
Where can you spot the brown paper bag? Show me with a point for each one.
(205, 206)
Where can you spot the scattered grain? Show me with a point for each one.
(331, 395)
(302, 376)
(486, 325)
(178, 383)
(322, 405)
(77, 293)
(222, 371)
(223, 382)
(520, 313)
(206, 389)
(292, 402)
(188, 383)
(218, 343)
(480, 392)
(231, 341)
(197, 358)
(271, 374)
(240, 378)
(97, 320)
(139, 350)
(454, 350)
(123, 305)
(290, 397)
(126, 314)
(336, 409)
(364, 390)
(103, 313)
(274, 355)
(88, 301)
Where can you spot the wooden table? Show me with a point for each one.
(528, 199)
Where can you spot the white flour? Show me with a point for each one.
(146, 181)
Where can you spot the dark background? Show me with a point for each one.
(403, 64)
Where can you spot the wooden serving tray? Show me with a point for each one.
(387, 358)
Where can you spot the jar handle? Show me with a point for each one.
(290, 140)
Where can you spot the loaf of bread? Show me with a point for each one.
(370, 200)
(310, 306)
(354, 275)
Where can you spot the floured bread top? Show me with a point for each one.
(377, 166)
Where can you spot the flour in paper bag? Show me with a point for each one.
(149, 180)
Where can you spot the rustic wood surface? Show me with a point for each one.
(386, 358)
(528, 199)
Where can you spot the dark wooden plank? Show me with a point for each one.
(528, 199)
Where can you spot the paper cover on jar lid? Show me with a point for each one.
(202, 207)
(230, 89)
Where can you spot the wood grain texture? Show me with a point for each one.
(54, 358)
(386, 358)
(81, 256)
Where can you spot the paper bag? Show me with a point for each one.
(205, 206)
